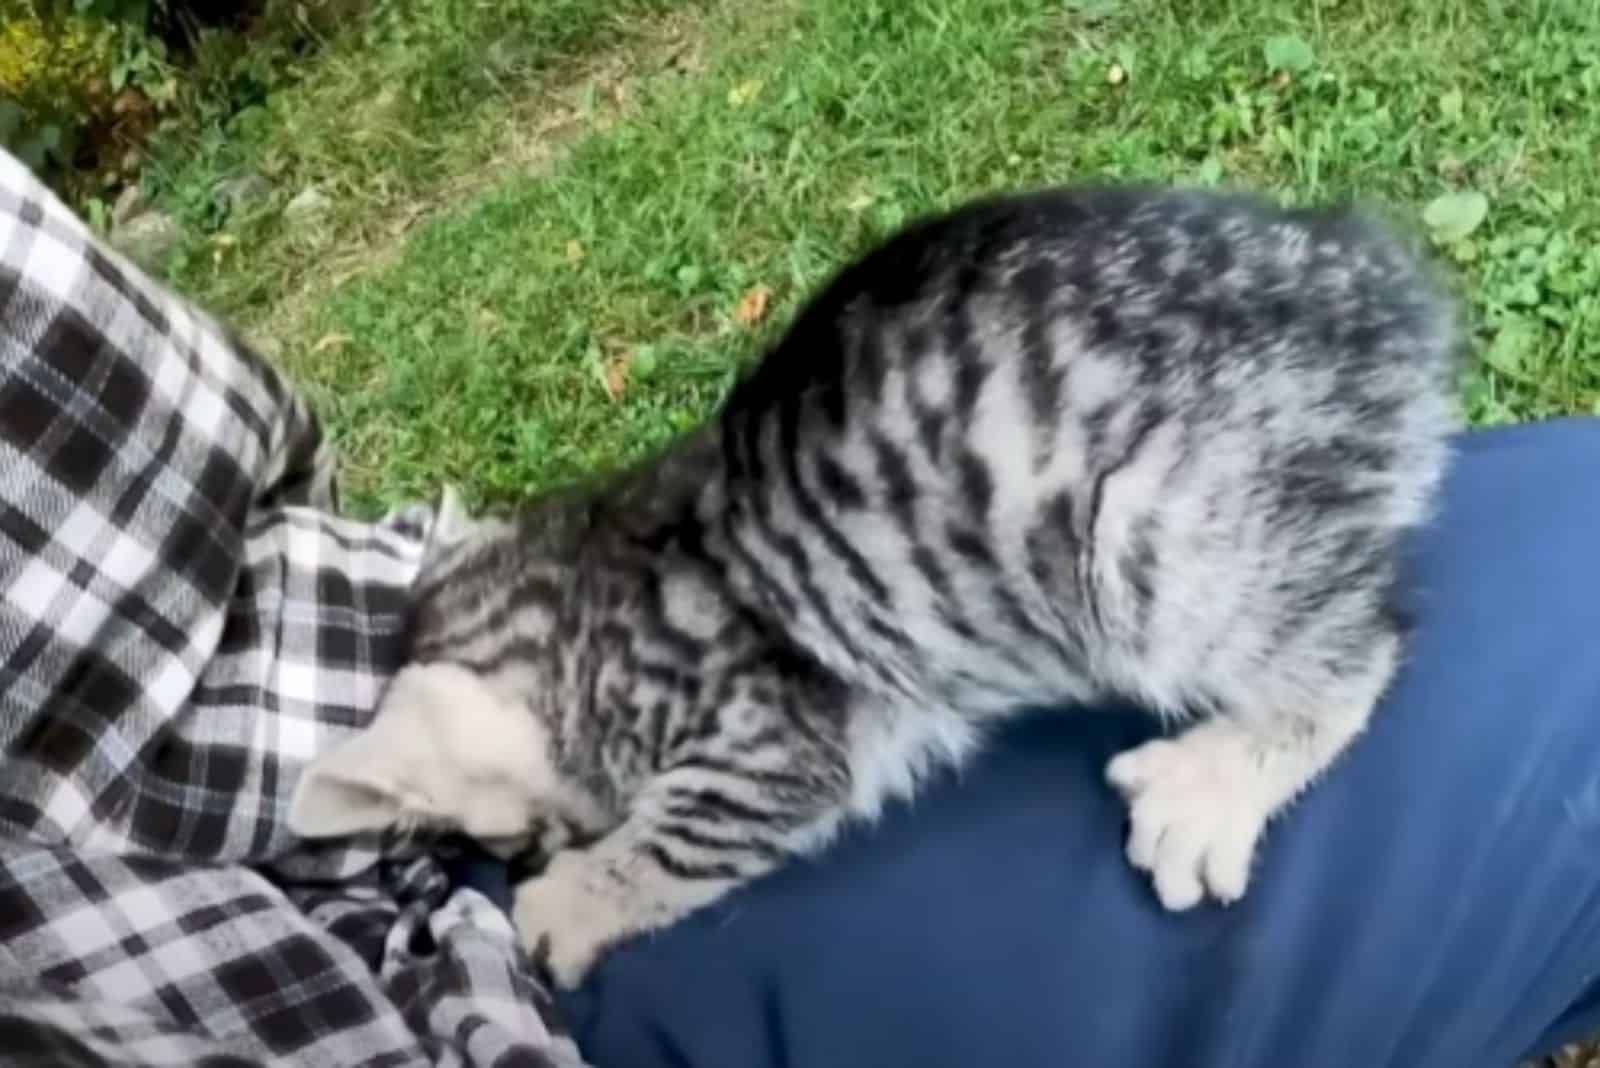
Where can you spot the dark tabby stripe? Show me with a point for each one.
(696, 835)
(707, 803)
(686, 869)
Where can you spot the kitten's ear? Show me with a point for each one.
(451, 522)
(350, 789)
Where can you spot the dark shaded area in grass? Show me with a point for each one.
(400, 99)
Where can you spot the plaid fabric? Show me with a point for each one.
(184, 623)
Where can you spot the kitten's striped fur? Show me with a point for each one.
(1156, 443)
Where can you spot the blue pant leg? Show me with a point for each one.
(1433, 903)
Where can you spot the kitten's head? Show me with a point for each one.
(445, 752)
(448, 748)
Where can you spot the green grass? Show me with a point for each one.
(479, 350)
(408, 107)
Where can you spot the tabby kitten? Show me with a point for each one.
(1153, 443)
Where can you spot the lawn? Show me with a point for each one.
(544, 235)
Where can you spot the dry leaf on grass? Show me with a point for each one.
(330, 341)
(574, 252)
(744, 92)
(614, 373)
(406, 218)
(752, 307)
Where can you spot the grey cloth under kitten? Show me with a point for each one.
(1160, 444)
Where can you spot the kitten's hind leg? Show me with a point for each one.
(1199, 802)
(689, 838)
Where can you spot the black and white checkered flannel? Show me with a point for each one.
(184, 623)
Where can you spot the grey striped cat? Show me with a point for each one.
(1154, 443)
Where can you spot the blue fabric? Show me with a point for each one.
(1433, 903)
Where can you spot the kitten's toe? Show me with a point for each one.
(1160, 843)
(1130, 772)
(1195, 814)
(564, 926)
(1227, 864)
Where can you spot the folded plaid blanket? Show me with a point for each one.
(185, 622)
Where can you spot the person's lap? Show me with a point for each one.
(1434, 901)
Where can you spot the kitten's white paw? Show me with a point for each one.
(564, 923)
(1198, 807)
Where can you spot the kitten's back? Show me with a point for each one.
(1129, 438)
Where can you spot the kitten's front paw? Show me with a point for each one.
(564, 923)
(1197, 810)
